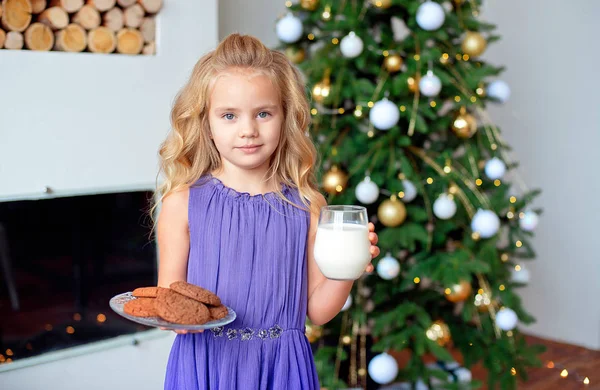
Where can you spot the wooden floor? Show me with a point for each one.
(578, 361)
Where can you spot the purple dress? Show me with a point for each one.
(251, 251)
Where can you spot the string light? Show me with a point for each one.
(564, 372)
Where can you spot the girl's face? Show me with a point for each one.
(245, 118)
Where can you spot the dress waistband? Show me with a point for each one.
(245, 334)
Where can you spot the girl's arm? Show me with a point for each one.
(326, 297)
(173, 238)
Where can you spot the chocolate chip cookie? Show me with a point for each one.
(180, 309)
(217, 312)
(196, 292)
(141, 307)
(145, 292)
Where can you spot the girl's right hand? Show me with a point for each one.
(182, 331)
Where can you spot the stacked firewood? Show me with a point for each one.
(98, 26)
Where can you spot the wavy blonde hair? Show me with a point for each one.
(188, 151)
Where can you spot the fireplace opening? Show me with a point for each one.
(62, 259)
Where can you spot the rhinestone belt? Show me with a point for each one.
(245, 334)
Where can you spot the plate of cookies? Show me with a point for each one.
(183, 306)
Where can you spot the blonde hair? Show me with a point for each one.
(188, 152)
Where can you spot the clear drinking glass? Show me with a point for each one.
(342, 244)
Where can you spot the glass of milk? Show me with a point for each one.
(342, 246)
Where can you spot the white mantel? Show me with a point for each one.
(88, 123)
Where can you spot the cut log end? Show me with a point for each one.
(102, 40)
(102, 5)
(133, 16)
(87, 17)
(130, 41)
(148, 29)
(113, 19)
(14, 40)
(38, 6)
(151, 6)
(149, 49)
(73, 38)
(70, 6)
(126, 3)
(39, 37)
(55, 17)
(16, 14)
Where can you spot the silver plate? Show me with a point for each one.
(117, 302)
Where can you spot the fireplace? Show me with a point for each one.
(62, 260)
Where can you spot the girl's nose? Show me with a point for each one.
(249, 129)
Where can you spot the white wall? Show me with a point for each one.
(254, 17)
(553, 123)
(83, 122)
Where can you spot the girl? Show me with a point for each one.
(239, 216)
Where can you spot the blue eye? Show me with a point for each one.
(263, 112)
(228, 116)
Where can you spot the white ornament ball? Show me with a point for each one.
(500, 90)
(444, 207)
(388, 267)
(506, 319)
(367, 192)
(351, 45)
(495, 168)
(520, 276)
(529, 221)
(289, 29)
(430, 85)
(410, 191)
(430, 16)
(348, 303)
(384, 115)
(383, 368)
(486, 223)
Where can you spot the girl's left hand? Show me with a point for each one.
(374, 248)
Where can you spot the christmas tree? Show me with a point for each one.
(399, 90)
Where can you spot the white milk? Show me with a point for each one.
(342, 250)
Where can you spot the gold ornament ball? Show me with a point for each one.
(309, 5)
(295, 54)
(393, 63)
(474, 44)
(334, 181)
(313, 332)
(413, 83)
(391, 212)
(439, 332)
(383, 4)
(464, 124)
(459, 292)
